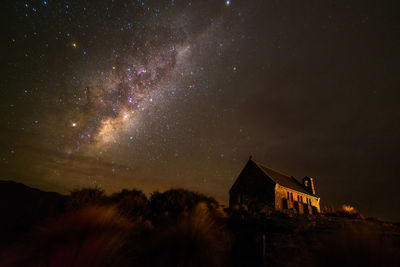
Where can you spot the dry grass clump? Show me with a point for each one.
(349, 211)
(91, 236)
(195, 240)
(100, 236)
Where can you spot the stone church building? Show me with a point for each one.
(258, 184)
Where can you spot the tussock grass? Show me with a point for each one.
(90, 236)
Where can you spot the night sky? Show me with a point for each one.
(160, 94)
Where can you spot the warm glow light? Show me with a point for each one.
(73, 124)
(348, 209)
(74, 45)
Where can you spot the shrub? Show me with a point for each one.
(173, 202)
(131, 203)
(85, 197)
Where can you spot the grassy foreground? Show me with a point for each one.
(181, 228)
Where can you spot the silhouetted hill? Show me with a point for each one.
(22, 206)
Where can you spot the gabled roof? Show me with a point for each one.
(282, 179)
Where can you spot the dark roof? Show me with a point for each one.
(283, 179)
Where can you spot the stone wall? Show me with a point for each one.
(296, 201)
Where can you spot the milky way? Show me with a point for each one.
(159, 94)
(118, 84)
(137, 76)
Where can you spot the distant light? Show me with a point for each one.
(84, 53)
(73, 124)
(74, 45)
(129, 69)
(151, 99)
(130, 100)
(228, 2)
(130, 137)
(142, 3)
(45, 3)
